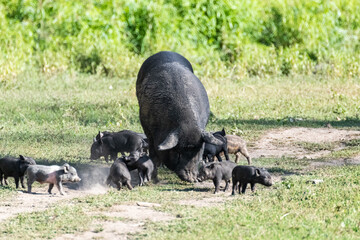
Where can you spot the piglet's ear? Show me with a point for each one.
(22, 158)
(257, 172)
(211, 166)
(66, 167)
(209, 138)
(101, 135)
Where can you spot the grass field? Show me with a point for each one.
(54, 119)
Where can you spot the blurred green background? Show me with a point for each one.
(228, 38)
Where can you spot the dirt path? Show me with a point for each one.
(275, 143)
(40, 200)
(285, 143)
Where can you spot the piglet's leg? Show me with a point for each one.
(22, 182)
(30, 181)
(217, 185)
(252, 187)
(17, 182)
(234, 186)
(60, 187)
(51, 185)
(227, 182)
(244, 185)
(141, 177)
(1, 178)
(128, 184)
(5, 180)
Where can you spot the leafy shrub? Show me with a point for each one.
(250, 37)
(277, 32)
(88, 62)
(138, 23)
(285, 67)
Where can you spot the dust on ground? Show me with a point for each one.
(131, 218)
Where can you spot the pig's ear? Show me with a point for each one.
(100, 137)
(170, 141)
(223, 132)
(22, 158)
(66, 167)
(257, 172)
(209, 138)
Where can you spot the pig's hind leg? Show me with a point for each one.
(234, 182)
(1, 178)
(129, 185)
(227, 182)
(22, 182)
(51, 185)
(141, 177)
(118, 184)
(5, 180)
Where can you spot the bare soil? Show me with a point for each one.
(275, 143)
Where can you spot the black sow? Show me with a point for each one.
(174, 110)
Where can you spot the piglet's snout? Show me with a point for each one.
(76, 179)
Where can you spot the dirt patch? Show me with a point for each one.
(268, 145)
(134, 216)
(337, 162)
(41, 200)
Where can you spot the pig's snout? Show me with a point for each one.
(76, 179)
(268, 182)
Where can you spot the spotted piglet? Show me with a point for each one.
(54, 175)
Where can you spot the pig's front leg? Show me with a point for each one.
(60, 187)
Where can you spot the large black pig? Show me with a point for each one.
(174, 110)
(14, 167)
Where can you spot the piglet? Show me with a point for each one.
(145, 167)
(217, 171)
(14, 167)
(119, 175)
(54, 175)
(243, 175)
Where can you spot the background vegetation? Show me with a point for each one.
(227, 38)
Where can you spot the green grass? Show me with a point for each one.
(54, 119)
(291, 209)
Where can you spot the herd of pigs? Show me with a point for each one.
(174, 111)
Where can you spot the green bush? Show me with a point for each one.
(221, 38)
(139, 22)
(277, 32)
